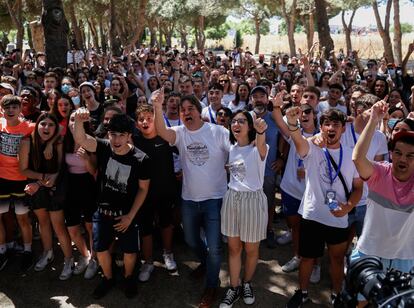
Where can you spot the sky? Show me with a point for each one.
(365, 16)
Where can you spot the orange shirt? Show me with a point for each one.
(10, 137)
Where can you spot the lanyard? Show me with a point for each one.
(300, 161)
(327, 156)
(353, 133)
(168, 122)
(211, 116)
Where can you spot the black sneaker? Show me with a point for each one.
(336, 301)
(248, 296)
(232, 296)
(3, 260)
(271, 239)
(130, 287)
(27, 261)
(103, 288)
(298, 299)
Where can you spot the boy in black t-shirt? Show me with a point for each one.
(161, 196)
(123, 182)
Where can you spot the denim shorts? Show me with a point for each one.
(290, 205)
(104, 234)
(357, 218)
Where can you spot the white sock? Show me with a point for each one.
(3, 248)
(28, 247)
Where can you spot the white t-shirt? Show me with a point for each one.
(235, 108)
(378, 146)
(227, 98)
(176, 157)
(324, 105)
(317, 178)
(203, 155)
(290, 183)
(210, 114)
(246, 168)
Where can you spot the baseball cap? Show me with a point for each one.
(258, 89)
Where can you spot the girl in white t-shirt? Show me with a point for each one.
(244, 211)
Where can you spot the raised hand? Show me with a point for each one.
(293, 114)
(379, 110)
(259, 125)
(157, 98)
(277, 101)
(82, 115)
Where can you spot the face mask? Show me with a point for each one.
(76, 100)
(65, 88)
(391, 123)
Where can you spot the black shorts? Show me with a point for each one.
(80, 199)
(313, 236)
(104, 234)
(156, 211)
(12, 189)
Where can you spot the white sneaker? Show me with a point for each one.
(46, 258)
(316, 274)
(169, 261)
(145, 272)
(291, 265)
(67, 270)
(92, 269)
(286, 238)
(81, 265)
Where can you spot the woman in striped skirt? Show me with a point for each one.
(244, 211)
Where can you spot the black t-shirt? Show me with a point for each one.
(96, 116)
(118, 176)
(131, 105)
(163, 183)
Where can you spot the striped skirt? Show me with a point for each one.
(244, 215)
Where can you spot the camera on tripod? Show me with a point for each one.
(381, 288)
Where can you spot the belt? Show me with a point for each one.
(110, 212)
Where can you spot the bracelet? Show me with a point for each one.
(293, 130)
(295, 125)
(261, 132)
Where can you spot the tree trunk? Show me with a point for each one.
(114, 41)
(309, 24)
(183, 38)
(397, 32)
(257, 22)
(324, 34)
(74, 24)
(102, 33)
(93, 31)
(348, 31)
(16, 15)
(199, 32)
(56, 29)
(153, 35)
(29, 35)
(384, 30)
(140, 23)
(290, 19)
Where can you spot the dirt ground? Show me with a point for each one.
(272, 287)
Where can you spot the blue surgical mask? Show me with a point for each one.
(65, 88)
(76, 100)
(391, 123)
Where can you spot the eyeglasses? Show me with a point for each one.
(221, 114)
(239, 121)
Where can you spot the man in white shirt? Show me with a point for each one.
(333, 188)
(203, 151)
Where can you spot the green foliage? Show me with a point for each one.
(247, 27)
(217, 33)
(406, 27)
(283, 28)
(238, 39)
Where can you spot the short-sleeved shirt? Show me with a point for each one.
(162, 166)
(119, 175)
(389, 220)
(318, 181)
(203, 155)
(10, 138)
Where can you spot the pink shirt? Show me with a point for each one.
(386, 185)
(76, 165)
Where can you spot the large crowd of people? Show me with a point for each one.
(160, 139)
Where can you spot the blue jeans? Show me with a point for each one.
(204, 214)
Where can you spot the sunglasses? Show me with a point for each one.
(239, 121)
(221, 114)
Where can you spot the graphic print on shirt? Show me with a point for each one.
(117, 175)
(198, 153)
(10, 144)
(324, 172)
(238, 170)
